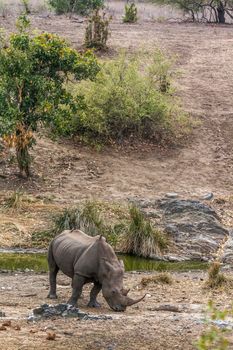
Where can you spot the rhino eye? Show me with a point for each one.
(114, 291)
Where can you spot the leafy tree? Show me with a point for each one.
(210, 10)
(82, 7)
(33, 70)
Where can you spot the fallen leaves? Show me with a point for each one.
(51, 336)
(8, 324)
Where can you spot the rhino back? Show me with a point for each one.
(68, 247)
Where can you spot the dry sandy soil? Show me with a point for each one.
(140, 327)
(69, 172)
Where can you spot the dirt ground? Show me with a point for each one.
(140, 327)
(67, 172)
(205, 84)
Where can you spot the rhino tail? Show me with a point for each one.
(51, 260)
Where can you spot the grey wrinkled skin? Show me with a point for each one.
(88, 259)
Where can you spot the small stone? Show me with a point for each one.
(50, 328)
(171, 195)
(208, 196)
(152, 214)
(17, 327)
(3, 328)
(68, 333)
(31, 318)
(2, 314)
(176, 318)
(166, 307)
(33, 331)
(7, 323)
(222, 324)
(111, 347)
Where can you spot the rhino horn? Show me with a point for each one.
(130, 302)
(125, 291)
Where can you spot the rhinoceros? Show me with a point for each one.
(88, 259)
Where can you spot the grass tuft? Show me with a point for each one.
(217, 279)
(160, 278)
(87, 218)
(141, 238)
(14, 201)
(125, 228)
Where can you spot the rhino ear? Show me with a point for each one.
(102, 238)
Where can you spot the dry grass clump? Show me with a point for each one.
(88, 217)
(160, 278)
(125, 228)
(141, 237)
(14, 200)
(217, 279)
(19, 201)
(21, 215)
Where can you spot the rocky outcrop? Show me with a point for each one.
(227, 255)
(194, 229)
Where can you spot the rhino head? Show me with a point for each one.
(112, 272)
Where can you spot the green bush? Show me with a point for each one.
(215, 337)
(82, 7)
(128, 100)
(130, 13)
(97, 31)
(140, 237)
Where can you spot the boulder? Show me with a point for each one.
(193, 228)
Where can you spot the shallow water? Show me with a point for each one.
(38, 263)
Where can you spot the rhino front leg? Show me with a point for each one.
(93, 295)
(77, 285)
(53, 282)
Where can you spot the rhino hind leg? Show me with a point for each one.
(53, 281)
(53, 270)
(93, 295)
